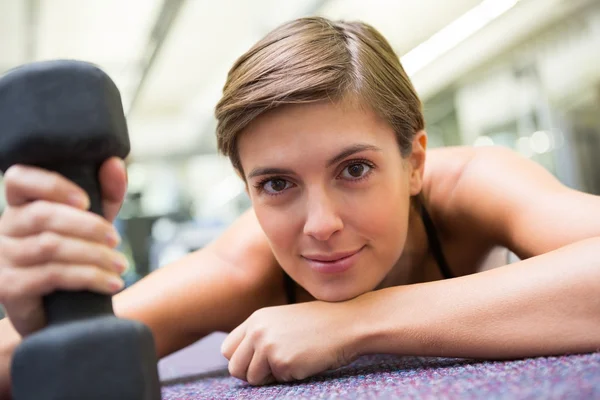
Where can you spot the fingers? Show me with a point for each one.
(259, 371)
(51, 247)
(43, 216)
(113, 182)
(268, 380)
(43, 279)
(26, 183)
(232, 341)
(49, 241)
(240, 361)
(244, 362)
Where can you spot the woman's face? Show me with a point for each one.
(332, 194)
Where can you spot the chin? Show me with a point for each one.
(335, 295)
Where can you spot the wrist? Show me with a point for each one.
(370, 333)
(9, 340)
(5, 376)
(6, 353)
(390, 321)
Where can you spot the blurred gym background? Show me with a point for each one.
(518, 73)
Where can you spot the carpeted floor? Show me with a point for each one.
(391, 377)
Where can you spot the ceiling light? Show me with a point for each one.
(456, 32)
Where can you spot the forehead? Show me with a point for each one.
(309, 130)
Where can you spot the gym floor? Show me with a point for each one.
(200, 372)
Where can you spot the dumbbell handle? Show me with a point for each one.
(64, 306)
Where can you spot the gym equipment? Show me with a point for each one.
(66, 116)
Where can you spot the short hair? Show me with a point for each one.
(315, 59)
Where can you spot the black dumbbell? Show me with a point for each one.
(66, 116)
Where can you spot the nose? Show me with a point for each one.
(322, 218)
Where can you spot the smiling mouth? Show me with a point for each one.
(335, 263)
(331, 258)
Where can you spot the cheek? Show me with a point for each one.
(382, 216)
(279, 227)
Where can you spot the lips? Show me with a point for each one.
(333, 263)
(331, 257)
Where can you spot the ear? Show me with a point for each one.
(416, 161)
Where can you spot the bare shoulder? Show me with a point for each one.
(245, 249)
(462, 183)
(461, 160)
(456, 194)
(443, 168)
(455, 176)
(503, 197)
(244, 244)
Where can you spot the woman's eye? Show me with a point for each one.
(273, 186)
(355, 171)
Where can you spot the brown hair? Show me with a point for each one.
(315, 59)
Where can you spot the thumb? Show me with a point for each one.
(113, 184)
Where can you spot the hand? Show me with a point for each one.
(292, 342)
(49, 242)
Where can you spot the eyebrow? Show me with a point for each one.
(348, 151)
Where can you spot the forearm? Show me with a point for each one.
(198, 295)
(541, 306)
(179, 302)
(9, 339)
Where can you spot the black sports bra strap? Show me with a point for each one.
(290, 288)
(435, 245)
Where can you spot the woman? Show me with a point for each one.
(348, 222)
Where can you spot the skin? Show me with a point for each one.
(325, 208)
(479, 199)
(321, 208)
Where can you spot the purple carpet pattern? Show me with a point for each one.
(392, 377)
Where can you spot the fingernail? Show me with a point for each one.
(115, 283)
(121, 264)
(78, 200)
(113, 238)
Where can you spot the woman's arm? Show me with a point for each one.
(189, 299)
(213, 289)
(544, 305)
